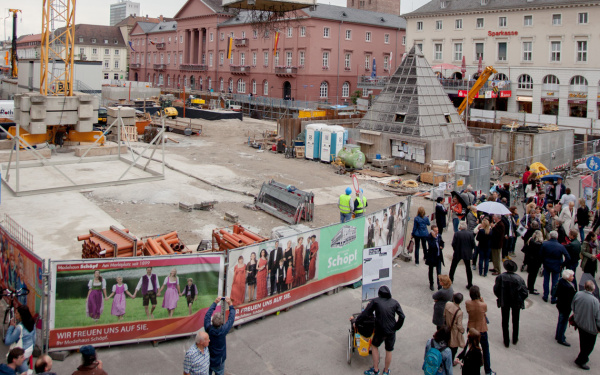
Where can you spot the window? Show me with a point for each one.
(93, 40)
(106, 51)
(105, 41)
(231, 58)
(458, 24)
(266, 58)
(502, 51)
(420, 47)
(458, 51)
(105, 75)
(325, 59)
(242, 58)
(555, 51)
(348, 34)
(528, 20)
(478, 51)
(502, 21)
(301, 55)
(527, 51)
(106, 64)
(581, 51)
(221, 58)
(210, 59)
(253, 87)
(386, 62)
(323, 90)
(438, 25)
(290, 32)
(255, 34)
(276, 59)
(326, 32)
(116, 76)
(241, 87)
(501, 77)
(386, 38)
(181, 38)
(181, 58)
(243, 34)
(230, 86)
(367, 62)
(556, 19)
(221, 84)
(479, 23)
(288, 58)
(346, 89)
(525, 82)
(403, 40)
(302, 31)
(254, 58)
(365, 92)
(169, 59)
(419, 25)
(579, 81)
(81, 51)
(368, 36)
(265, 88)
(94, 51)
(80, 40)
(400, 117)
(582, 18)
(551, 83)
(438, 51)
(222, 37)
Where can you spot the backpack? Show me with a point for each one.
(433, 360)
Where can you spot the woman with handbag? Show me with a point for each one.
(453, 317)
(420, 233)
(471, 357)
(589, 254)
(21, 333)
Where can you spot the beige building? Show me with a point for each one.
(549, 50)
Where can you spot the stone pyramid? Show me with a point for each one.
(414, 104)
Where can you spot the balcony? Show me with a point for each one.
(134, 66)
(160, 66)
(239, 69)
(193, 67)
(286, 71)
(160, 45)
(242, 42)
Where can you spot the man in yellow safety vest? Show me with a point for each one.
(359, 205)
(346, 206)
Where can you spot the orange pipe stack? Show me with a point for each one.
(167, 244)
(233, 237)
(102, 244)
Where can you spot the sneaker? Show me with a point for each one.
(473, 267)
(386, 372)
(371, 371)
(431, 287)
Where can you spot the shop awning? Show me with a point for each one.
(524, 99)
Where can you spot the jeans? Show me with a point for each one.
(485, 348)
(581, 233)
(475, 255)
(455, 262)
(455, 222)
(509, 246)
(547, 275)
(218, 370)
(484, 260)
(506, 311)
(438, 268)
(561, 327)
(418, 241)
(586, 345)
(356, 216)
(345, 217)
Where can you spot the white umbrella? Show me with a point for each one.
(493, 208)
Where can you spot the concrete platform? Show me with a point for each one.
(24, 155)
(109, 148)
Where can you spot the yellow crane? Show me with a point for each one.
(485, 75)
(13, 50)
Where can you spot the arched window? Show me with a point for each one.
(525, 82)
(230, 85)
(185, 81)
(241, 86)
(209, 83)
(160, 79)
(253, 87)
(221, 84)
(324, 89)
(551, 79)
(579, 81)
(265, 88)
(346, 89)
(501, 77)
(148, 79)
(200, 83)
(168, 80)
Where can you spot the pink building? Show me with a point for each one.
(318, 57)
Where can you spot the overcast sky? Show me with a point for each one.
(97, 12)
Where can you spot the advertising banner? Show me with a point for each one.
(114, 301)
(377, 270)
(387, 227)
(20, 269)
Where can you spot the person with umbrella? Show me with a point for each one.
(498, 231)
(458, 208)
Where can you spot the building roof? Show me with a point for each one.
(97, 32)
(29, 38)
(131, 20)
(162, 27)
(434, 7)
(337, 13)
(414, 104)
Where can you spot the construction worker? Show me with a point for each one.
(360, 203)
(346, 206)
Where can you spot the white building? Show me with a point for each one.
(549, 50)
(122, 10)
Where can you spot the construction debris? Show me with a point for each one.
(232, 237)
(166, 244)
(185, 207)
(231, 217)
(286, 202)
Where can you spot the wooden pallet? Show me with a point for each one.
(300, 154)
(129, 133)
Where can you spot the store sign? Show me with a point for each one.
(550, 94)
(505, 94)
(491, 94)
(550, 100)
(463, 94)
(502, 33)
(579, 95)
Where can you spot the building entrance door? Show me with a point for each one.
(287, 90)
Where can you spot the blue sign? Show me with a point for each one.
(593, 163)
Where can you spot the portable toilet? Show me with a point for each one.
(326, 135)
(337, 139)
(313, 141)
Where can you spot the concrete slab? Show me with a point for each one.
(24, 155)
(105, 150)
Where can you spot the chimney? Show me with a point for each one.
(160, 18)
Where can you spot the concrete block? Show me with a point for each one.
(62, 118)
(60, 355)
(38, 99)
(6, 144)
(24, 118)
(84, 98)
(84, 126)
(25, 103)
(185, 207)
(107, 149)
(24, 155)
(229, 216)
(129, 121)
(17, 100)
(124, 111)
(37, 112)
(17, 115)
(86, 111)
(37, 127)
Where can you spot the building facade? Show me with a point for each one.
(382, 6)
(121, 10)
(29, 46)
(547, 49)
(317, 57)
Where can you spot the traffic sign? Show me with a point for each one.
(593, 163)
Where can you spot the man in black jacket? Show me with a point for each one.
(434, 257)
(512, 292)
(385, 308)
(440, 215)
(274, 256)
(463, 244)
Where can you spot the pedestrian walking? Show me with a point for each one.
(552, 259)
(453, 317)
(440, 214)
(533, 257)
(438, 356)
(510, 236)
(477, 310)
(471, 358)
(574, 250)
(586, 315)
(385, 309)
(568, 197)
(90, 364)
(498, 231)
(589, 254)
(420, 232)
(511, 292)
(559, 190)
(213, 325)
(565, 291)
(457, 215)
(440, 298)
(463, 244)
(582, 218)
(484, 237)
(434, 257)
(197, 358)
(568, 216)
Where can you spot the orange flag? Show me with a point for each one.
(276, 41)
(229, 46)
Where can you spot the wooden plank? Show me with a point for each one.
(369, 172)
